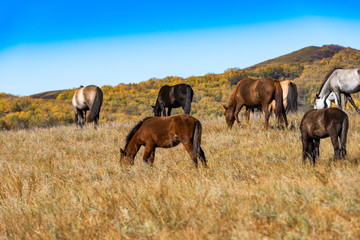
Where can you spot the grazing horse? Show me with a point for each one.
(164, 132)
(323, 123)
(87, 98)
(290, 97)
(255, 93)
(180, 95)
(339, 81)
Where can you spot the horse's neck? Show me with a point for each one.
(232, 100)
(325, 89)
(133, 148)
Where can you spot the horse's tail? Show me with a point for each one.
(197, 139)
(188, 99)
(279, 106)
(95, 108)
(292, 98)
(343, 137)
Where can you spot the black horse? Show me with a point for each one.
(323, 123)
(180, 95)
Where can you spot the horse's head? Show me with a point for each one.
(157, 110)
(125, 158)
(229, 116)
(319, 102)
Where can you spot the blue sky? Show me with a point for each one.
(51, 45)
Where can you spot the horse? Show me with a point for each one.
(339, 81)
(290, 97)
(164, 132)
(180, 95)
(84, 99)
(255, 93)
(323, 123)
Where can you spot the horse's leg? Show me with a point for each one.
(317, 147)
(163, 109)
(337, 98)
(248, 110)
(305, 143)
(348, 97)
(312, 151)
(267, 116)
(81, 118)
(335, 143)
(149, 152)
(236, 112)
(169, 111)
(76, 116)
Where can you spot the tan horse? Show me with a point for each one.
(255, 93)
(290, 97)
(84, 99)
(164, 132)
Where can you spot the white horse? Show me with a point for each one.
(338, 81)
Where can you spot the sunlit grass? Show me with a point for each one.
(67, 183)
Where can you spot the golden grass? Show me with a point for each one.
(68, 184)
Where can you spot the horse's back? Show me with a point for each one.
(90, 92)
(253, 92)
(317, 122)
(174, 96)
(166, 131)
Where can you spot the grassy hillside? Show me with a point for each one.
(68, 184)
(131, 102)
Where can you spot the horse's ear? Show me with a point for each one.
(122, 151)
(225, 107)
(317, 95)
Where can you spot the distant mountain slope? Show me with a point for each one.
(304, 55)
(47, 95)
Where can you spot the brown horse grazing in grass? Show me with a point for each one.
(84, 99)
(290, 97)
(255, 93)
(164, 132)
(323, 123)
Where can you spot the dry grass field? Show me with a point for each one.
(63, 183)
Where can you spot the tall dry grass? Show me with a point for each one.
(68, 184)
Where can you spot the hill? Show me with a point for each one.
(47, 95)
(132, 102)
(302, 56)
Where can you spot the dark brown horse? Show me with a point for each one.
(255, 93)
(84, 99)
(164, 132)
(323, 123)
(180, 95)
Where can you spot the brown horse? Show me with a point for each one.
(164, 132)
(323, 123)
(84, 99)
(255, 93)
(290, 97)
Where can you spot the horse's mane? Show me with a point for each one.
(133, 131)
(326, 78)
(232, 94)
